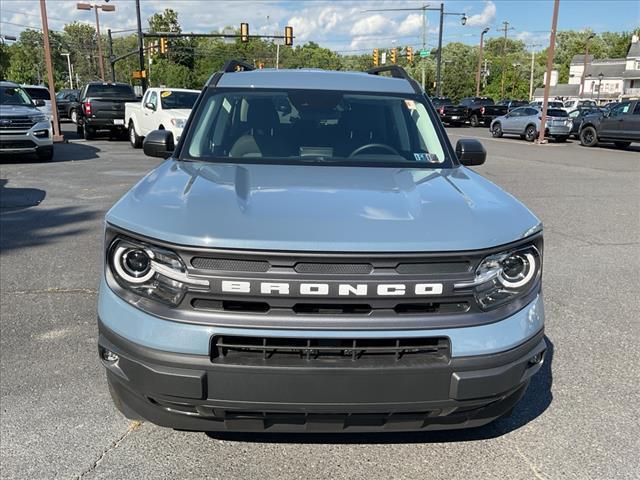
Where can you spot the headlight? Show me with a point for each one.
(150, 271)
(178, 122)
(39, 118)
(505, 276)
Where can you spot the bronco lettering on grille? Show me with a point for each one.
(327, 289)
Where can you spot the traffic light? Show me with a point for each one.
(394, 55)
(376, 57)
(288, 36)
(164, 45)
(409, 54)
(244, 32)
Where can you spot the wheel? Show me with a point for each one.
(622, 144)
(588, 136)
(134, 139)
(45, 154)
(562, 138)
(88, 133)
(530, 133)
(474, 121)
(496, 130)
(73, 115)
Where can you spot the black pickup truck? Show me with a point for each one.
(102, 108)
(449, 113)
(620, 125)
(481, 110)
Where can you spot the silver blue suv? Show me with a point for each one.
(313, 255)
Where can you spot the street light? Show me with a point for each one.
(479, 56)
(600, 77)
(68, 55)
(584, 66)
(96, 7)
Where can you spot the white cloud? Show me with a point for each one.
(486, 17)
(370, 25)
(411, 24)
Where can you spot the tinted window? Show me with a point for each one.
(553, 112)
(531, 111)
(14, 96)
(112, 91)
(314, 126)
(38, 93)
(636, 111)
(172, 99)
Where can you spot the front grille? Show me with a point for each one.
(334, 268)
(301, 351)
(16, 123)
(10, 144)
(229, 264)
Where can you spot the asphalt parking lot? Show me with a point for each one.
(578, 419)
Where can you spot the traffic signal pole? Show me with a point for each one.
(140, 46)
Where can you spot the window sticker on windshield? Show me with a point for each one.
(411, 105)
(426, 157)
(166, 93)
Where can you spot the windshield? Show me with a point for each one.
(38, 93)
(315, 126)
(14, 96)
(173, 99)
(110, 91)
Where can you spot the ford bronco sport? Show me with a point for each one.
(313, 255)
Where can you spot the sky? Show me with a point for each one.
(346, 26)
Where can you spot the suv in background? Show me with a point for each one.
(102, 108)
(67, 101)
(511, 104)
(23, 128)
(302, 261)
(620, 125)
(525, 122)
(579, 103)
(40, 92)
(552, 104)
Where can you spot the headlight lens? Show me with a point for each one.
(150, 271)
(178, 122)
(505, 276)
(39, 118)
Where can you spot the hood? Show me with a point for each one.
(17, 110)
(321, 208)
(179, 112)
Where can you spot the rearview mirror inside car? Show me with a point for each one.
(158, 143)
(470, 152)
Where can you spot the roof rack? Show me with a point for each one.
(397, 72)
(236, 66)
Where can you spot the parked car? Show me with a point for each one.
(552, 104)
(40, 92)
(570, 105)
(67, 101)
(620, 125)
(511, 104)
(315, 271)
(577, 116)
(102, 108)
(160, 108)
(23, 127)
(525, 122)
(450, 114)
(481, 110)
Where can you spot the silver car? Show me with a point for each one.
(525, 121)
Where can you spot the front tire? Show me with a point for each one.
(134, 139)
(88, 133)
(73, 115)
(474, 121)
(530, 133)
(622, 144)
(496, 130)
(588, 137)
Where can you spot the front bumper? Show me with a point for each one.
(104, 123)
(21, 141)
(485, 377)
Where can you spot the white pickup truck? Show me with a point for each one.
(160, 108)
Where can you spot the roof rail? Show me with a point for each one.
(397, 72)
(236, 66)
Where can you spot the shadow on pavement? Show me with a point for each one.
(536, 400)
(62, 152)
(12, 199)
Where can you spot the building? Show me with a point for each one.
(608, 79)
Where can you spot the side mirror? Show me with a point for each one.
(150, 106)
(470, 152)
(39, 103)
(158, 143)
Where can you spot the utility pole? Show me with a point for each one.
(584, 65)
(547, 83)
(140, 45)
(505, 28)
(480, 60)
(68, 55)
(47, 59)
(113, 66)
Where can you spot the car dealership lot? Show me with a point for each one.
(578, 419)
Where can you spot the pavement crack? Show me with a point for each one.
(534, 469)
(133, 426)
(40, 291)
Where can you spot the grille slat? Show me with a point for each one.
(230, 264)
(334, 268)
(16, 123)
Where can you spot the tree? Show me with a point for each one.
(26, 64)
(80, 40)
